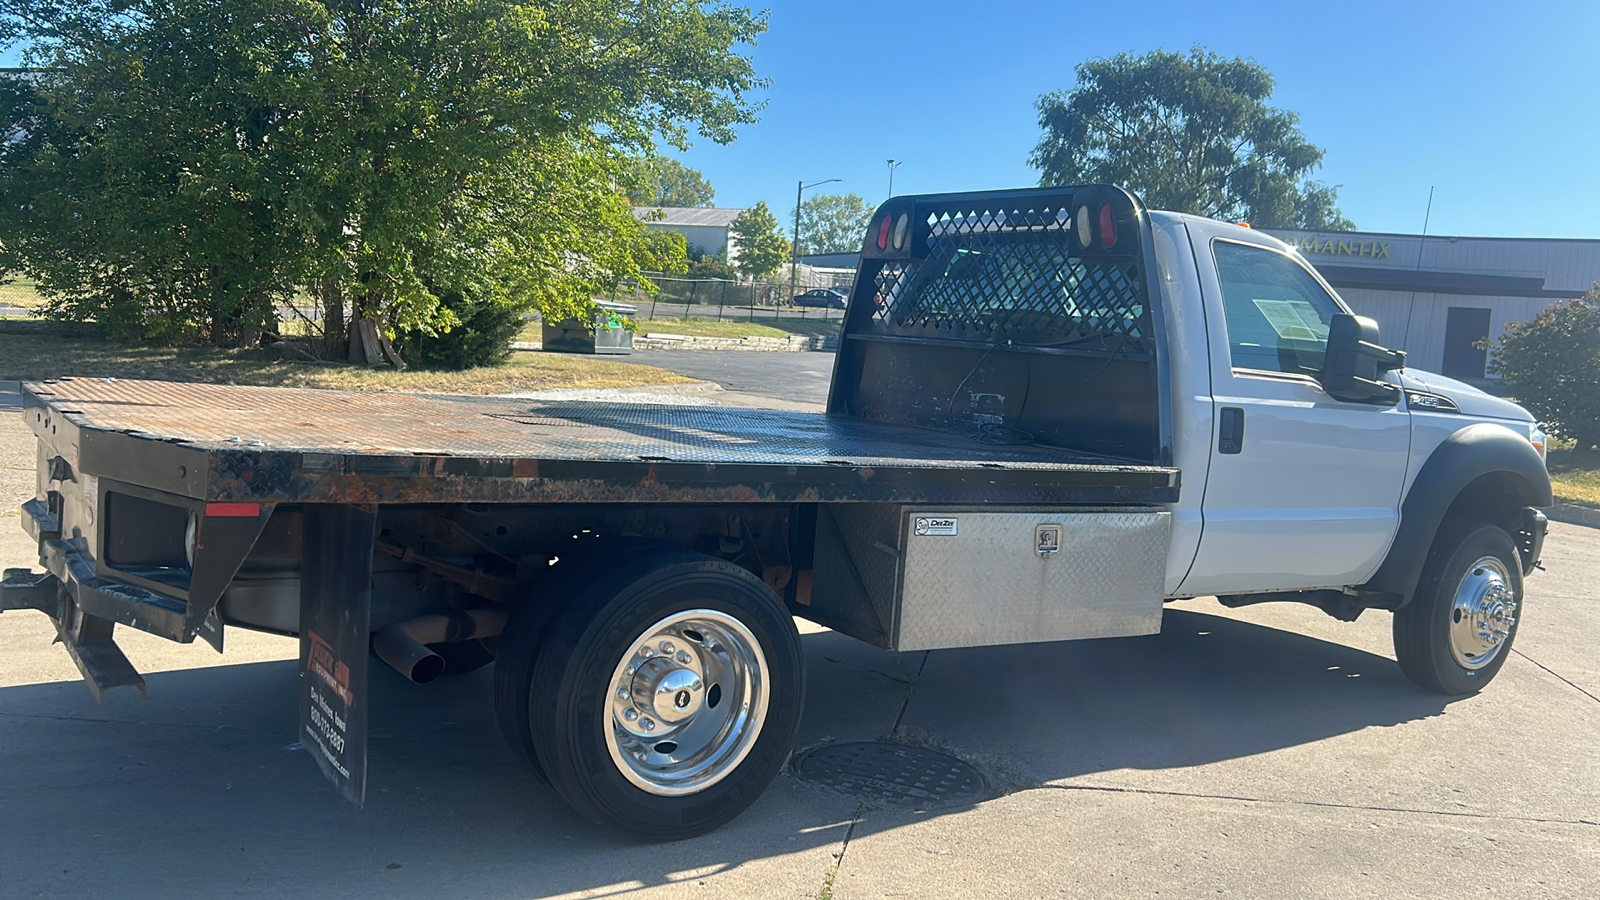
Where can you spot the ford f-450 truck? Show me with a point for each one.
(1052, 412)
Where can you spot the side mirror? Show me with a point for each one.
(1355, 360)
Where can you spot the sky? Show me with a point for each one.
(1494, 106)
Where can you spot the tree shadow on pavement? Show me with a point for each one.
(201, 790)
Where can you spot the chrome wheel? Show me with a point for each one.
(1483, 613)
(688, 701)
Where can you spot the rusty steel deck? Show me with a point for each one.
(222, 442)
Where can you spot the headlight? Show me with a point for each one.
(1536, 438)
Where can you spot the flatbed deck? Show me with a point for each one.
(289, 445)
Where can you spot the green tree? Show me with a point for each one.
(761, 248)
(833, 223)
(663, 181)
(1191, 134)
(1552, 364)
(182, 165)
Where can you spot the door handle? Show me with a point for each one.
(1230, 434)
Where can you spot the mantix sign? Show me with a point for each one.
(1334, 247)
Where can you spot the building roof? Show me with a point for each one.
(713, 217)
(832, 260)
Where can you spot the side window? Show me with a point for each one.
(1277, 314)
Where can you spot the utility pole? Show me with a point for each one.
(794, 247)
(893, 164)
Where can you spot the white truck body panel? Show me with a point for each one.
(1312, 499)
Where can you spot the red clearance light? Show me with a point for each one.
(1108, 227)
(883, 233)
(234, 510)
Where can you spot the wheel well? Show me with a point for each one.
(1494, 498)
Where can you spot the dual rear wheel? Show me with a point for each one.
(659, 696)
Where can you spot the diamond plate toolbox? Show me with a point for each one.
(976, 577)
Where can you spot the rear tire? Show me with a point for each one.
(669, 690)
(1455, 634)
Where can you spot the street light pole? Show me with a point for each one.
(794, 246)
(893, 164)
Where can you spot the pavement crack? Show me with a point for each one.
(1321, 804)
(892, 676)
(1557, 675)
(910, 692)
(833, 871)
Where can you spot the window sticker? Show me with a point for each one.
(1293, 320)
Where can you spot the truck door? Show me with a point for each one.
(1303, 490)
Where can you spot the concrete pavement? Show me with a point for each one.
(1263, 752)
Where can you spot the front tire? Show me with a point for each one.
(1455, 634)
(667, 695)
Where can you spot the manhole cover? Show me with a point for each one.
(895, 773)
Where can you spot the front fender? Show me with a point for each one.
(1479, 458)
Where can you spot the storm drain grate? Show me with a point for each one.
(893, 773)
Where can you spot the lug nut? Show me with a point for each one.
(666, 647)
(622, 693)
(630, 714)
(648, 724)
(647, 651)
(683, 657)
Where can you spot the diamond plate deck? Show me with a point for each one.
(289, 444)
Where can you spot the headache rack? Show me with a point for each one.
(1020, 316)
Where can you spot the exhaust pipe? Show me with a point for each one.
(403, 644)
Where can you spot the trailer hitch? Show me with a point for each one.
(27, 589)
(87, 638)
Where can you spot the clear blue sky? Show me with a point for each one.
(1495, 104)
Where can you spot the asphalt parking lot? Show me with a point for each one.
(798, 379)
(1263, 752)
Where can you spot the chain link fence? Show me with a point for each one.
(18, 299)
(724, 300)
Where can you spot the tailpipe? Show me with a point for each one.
(403, 645)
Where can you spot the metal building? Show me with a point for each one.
(706, 229)
(1436, 297)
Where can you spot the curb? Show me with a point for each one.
(1573, 514)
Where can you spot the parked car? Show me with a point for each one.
(827, 298)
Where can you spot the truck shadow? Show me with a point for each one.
(200, 789)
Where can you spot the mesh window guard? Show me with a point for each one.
(1012, 275)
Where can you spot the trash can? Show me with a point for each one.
(607, 334)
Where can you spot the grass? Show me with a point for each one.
(1575, 475)
(729, 327)
(35, 357)
(20, 292)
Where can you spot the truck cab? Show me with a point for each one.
(1315, 466)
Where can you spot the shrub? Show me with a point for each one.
(711, 267)
(1552, 365)
(483, 337)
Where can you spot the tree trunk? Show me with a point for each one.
(331, 298)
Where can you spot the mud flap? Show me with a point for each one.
(335, 606)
